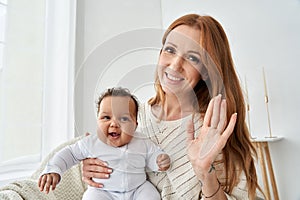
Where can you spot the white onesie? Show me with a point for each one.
(129, 164)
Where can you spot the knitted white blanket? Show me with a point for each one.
(70, 187)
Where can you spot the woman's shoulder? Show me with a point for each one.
(144, 106)
(144, 109)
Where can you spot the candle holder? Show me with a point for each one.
(269, 120)
(267, 106)
(248, 109)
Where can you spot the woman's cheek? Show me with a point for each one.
(160, 71)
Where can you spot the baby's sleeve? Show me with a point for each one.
(65, 159)
(153, 151)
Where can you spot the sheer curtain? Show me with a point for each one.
(36, 84)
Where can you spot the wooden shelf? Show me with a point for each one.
(267, 139)
(262, 146)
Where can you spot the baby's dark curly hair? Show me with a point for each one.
(118, 92)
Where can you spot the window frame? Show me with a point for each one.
(59, 64)
(2, 55)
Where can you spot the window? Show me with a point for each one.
(3, 7)
(36, 97)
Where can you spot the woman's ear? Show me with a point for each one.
(204, 76)
(204, 73)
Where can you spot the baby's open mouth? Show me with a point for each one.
(114, 134)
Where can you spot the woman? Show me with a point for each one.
(197, 116)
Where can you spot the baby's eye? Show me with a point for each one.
(105, 117)
(170, 50)
(124, 119)
(193, 59)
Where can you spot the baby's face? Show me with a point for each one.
(116, 120)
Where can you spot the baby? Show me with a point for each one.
(125, 150)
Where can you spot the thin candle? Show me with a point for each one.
(265, 86)
(248, 107)
(246, 91)
(267, 105)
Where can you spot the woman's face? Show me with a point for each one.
(179, 64)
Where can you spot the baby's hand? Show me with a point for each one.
(163, 161)
(47, 180)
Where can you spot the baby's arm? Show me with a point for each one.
(63, 160)
(163, 161)
(47, 180)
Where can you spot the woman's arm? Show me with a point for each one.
(203, 150)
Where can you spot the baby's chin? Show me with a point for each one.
(115, 143)
(117, 140)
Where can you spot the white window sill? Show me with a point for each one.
(18, 169)
(14, 176)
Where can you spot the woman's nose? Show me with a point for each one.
(177, 63)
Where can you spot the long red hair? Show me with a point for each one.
(239, 152)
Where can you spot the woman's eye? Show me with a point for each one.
(193, 59)
(170, 50)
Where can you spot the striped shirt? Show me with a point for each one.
(180, 181)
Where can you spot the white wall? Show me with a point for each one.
(263, 34)
(117, 44)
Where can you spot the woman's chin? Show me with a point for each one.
(175, 89)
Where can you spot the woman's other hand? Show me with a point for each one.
(95, 168)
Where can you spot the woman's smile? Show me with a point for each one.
(173, 78)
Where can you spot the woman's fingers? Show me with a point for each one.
(215, 118)
(212, 115)
(92, 183)
(208, 113)
(104, 174)
(94, 161)
(230, 127)
(216, 114)
(227, 132)
(190, 132)
(95, 168)
(223, 116)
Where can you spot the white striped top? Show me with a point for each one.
(180, 181)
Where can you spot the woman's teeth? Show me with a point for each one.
(173, 78)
